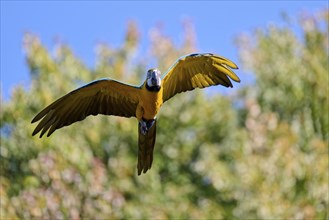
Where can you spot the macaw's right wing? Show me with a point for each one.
(105, 96)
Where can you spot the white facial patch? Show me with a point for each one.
(153, 78)
(149, 82)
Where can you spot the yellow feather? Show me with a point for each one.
(223, 60)
(228, 72)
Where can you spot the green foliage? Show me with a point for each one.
(286, 121)
(258, 153)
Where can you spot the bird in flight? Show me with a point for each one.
(110, 97)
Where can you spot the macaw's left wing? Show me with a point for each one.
(198, 71)
(106, 96)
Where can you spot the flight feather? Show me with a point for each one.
(105, 96)
(198, 71)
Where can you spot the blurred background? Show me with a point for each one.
(257, 151)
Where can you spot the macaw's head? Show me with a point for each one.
(153, 80)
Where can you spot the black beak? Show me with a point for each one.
(154, 81)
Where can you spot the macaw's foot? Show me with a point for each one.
(144, 126)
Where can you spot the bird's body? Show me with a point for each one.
(110, 97)
(149, 104)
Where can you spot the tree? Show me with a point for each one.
(259, 153)
(286, 120)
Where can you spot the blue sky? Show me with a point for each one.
(83, 24)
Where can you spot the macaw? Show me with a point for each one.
(110, 97)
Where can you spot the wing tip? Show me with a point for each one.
(232, 65)
(34, 120)
(238, 80)
(36, 131)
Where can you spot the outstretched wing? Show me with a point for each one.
(198, 71)
(107, 97)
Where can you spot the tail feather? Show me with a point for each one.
(145, 149)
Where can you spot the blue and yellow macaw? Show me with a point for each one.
(110, 97)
